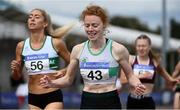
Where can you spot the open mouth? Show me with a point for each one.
(91, 33)
(32, 24)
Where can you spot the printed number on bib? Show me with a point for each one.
(36, 65)
(95, 75)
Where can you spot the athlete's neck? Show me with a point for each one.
(143, 59)
(97, 44)
(37, 37)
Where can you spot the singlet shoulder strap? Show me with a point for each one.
(135, 61)
(151, 61)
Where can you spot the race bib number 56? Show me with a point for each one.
(37, 62)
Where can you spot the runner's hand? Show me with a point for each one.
(45, 82)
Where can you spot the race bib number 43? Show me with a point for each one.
(94, 70)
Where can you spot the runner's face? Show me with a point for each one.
(36, 20)
(142, 47)
(93, 26)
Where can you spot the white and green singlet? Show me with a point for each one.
(100, 67)
(40, 61)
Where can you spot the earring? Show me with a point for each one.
(106, 31)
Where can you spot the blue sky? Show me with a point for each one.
(147, 11)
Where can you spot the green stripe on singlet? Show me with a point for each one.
(54, 63)
(113, 71)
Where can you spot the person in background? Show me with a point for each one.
(176, 74)
(40, 55)
(145, 66)
(22, 93)
(99, 59)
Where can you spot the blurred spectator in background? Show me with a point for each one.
(22, 93)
